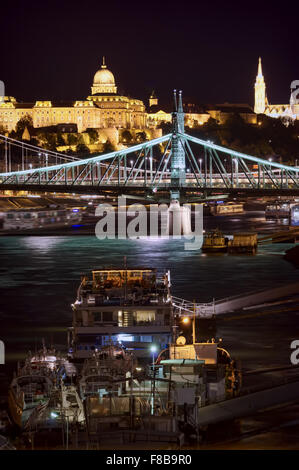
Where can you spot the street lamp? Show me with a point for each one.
(186, 321)
(153, 350)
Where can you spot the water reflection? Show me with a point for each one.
(42, 244)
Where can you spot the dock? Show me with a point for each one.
(233, 303)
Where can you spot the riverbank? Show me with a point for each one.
(249, 221)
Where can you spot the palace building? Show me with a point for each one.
(104, 108)
(197, 115)
(262, 105)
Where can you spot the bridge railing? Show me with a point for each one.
(112, 169)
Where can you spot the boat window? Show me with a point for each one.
(144, 316)
(71, 399)
(107, 316)
(97, 316)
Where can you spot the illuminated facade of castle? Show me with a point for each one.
(261, 103)
(104, 108)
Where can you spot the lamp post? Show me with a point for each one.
(153, 350)
(186, 321)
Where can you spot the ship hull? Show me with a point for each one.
(214, 249)
(18, 411)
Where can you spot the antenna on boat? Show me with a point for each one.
(44, 346)
(126, 276)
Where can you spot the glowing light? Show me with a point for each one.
(186, 320)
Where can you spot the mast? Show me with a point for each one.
(178, 163)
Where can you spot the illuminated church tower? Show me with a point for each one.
(260, 91)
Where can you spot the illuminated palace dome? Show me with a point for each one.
(103, 81)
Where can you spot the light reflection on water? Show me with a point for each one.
(46, 270)
(41, 244)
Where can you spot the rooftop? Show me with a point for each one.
(138, 286)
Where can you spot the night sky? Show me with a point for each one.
(51, 49)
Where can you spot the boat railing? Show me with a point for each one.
(191, 308)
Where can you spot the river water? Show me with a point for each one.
(40, 274)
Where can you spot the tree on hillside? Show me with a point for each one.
(108, 147)
(50, 141)
(60, 139)
(141, 136)
(82, 149)
(25, 121)
(93, 135)
(165, 126)
(72, 139)
(127, 136)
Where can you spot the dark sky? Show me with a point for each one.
(52, 49)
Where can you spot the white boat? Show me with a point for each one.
(64, 408)
(33, 384)
(30, 389)
(106, 372)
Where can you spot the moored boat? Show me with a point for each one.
(214, 241)
(33, 384)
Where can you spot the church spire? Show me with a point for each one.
(259, 70)
(103, 63)
(259, 90)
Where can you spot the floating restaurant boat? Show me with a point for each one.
(243, 243)
(278, 210)
(131, 307)
(28, 219)
(214, 241)
(224, 208)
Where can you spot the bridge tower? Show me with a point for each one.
(178, 162)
